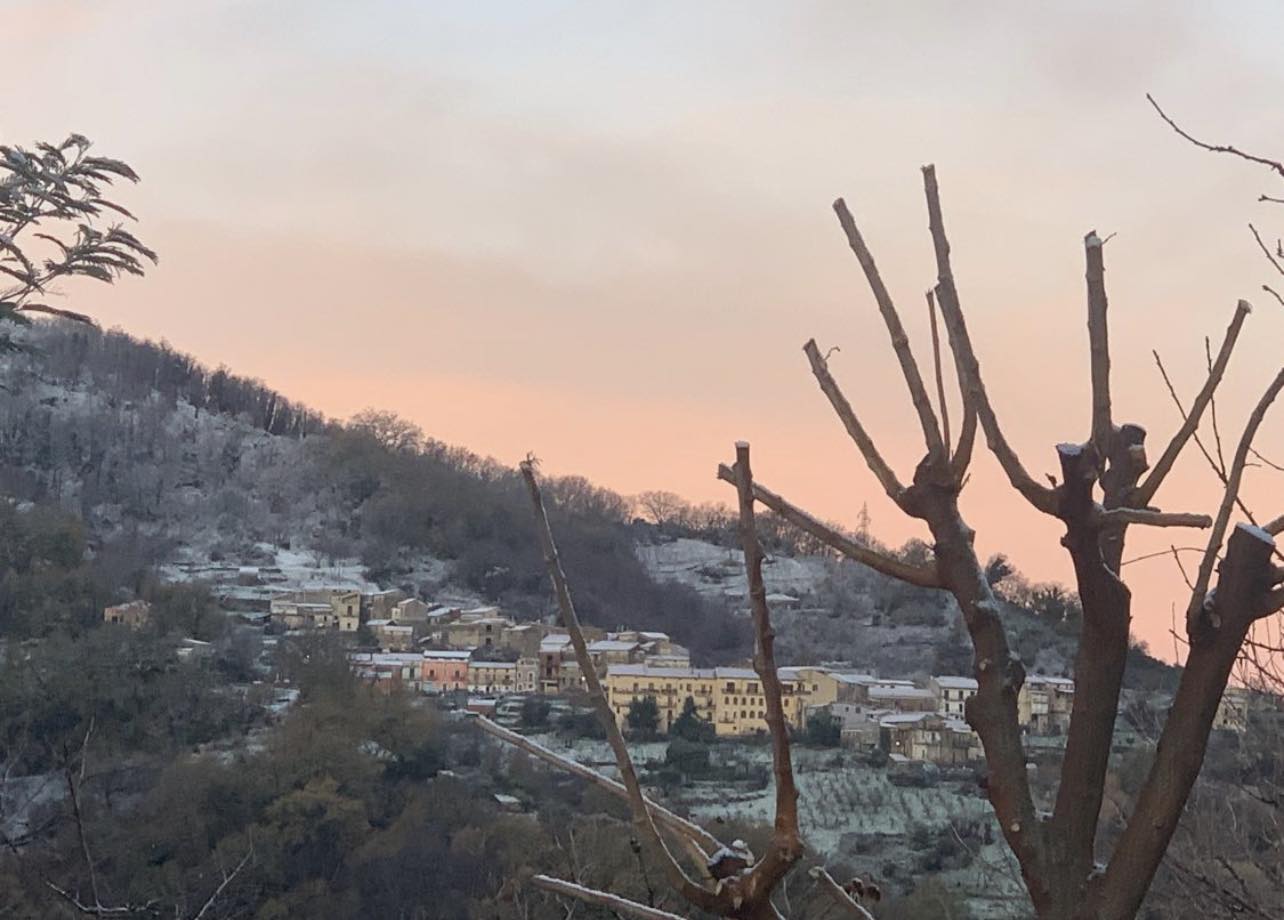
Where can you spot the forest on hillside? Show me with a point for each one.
(154, 452)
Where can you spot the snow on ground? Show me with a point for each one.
(849, 812)
(719, 571)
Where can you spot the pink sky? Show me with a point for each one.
(602, 232)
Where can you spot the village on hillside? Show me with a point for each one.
(479, 660)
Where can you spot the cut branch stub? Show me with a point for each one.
(1099, 345)
(967, 365)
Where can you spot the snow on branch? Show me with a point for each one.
(613, 902)
(1148, 517)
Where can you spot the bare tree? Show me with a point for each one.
(51, 199)
(663, 508)
(389, 429)
(728, 881)
(1106, 485)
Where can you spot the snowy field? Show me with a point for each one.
(851, 814)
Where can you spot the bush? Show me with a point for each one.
(580, 725)
(690, 757)
(535, 712)
(824, 729)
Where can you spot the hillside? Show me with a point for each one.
(197, 473)
(171, 464)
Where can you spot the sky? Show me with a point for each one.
(602, 231)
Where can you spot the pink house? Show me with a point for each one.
(444, 671)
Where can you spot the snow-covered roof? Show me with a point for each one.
(869, 680)
(736, 674)
(447, 656)
(900, 693)
(477, 665)
(905, 718)
(476, 612)
(643, 670)
(479, 621)
(951, 682)
(554, 643)
(395, 659)
(612, 645)
(1064, 684)
(374, 624)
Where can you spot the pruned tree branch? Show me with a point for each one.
(1121, 517)
(1099, 344)
(693, 892)
(921, 576)
(786, 845)
(1229, 498)
(612, 902)
(940, 374)
(839, 896)
(966, 363)
(900, 341)
(877, 465)
(676, 824)
(1215, 645)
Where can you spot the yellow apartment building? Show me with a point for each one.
(670, 687)
(730, 698)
